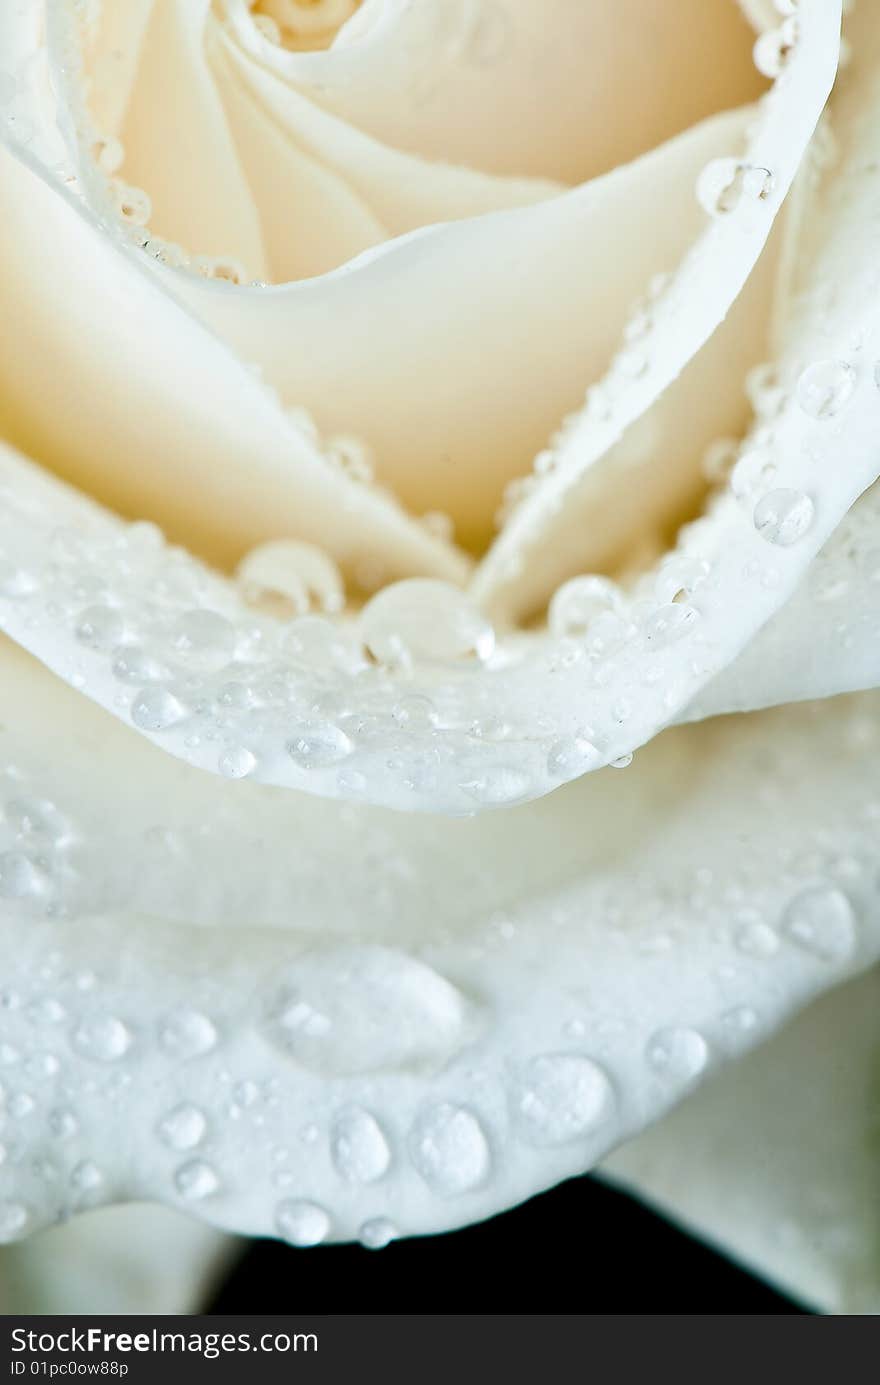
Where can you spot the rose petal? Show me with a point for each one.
(116, 388)
(561, 90)
(775, 1161)
(134, 1259)
(207, 954)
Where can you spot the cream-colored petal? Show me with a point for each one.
(110, 384)
(490, 329)
(775, 1161)
(126, 1259)
(402, 1022)
(562, 90)
(179, 146)
(538, 545)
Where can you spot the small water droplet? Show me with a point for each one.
(561, 1097)
(825, 388)
(63, 1124)
(187, 1033)
(195, 1180)
(571, 757)
(820, 920)
(423, 619)
(783, 516)
(318, 744)
(13, 1220)
(360, 1150)
(449, 1150)
(103, 1038)
(100, 627)
(377, 1233)
(204, 640)
(156, 709)
(183, 1128)
(667, 625)
(756, 939)
(302, 1223)
(678, 1055)
(20, 876)
(85, 1177)
(577, 603)
(16, 582)
(498, 785)
(236, 762)
(726, 184)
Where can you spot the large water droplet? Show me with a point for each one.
(195, 1180)
(318, 744)
(302, 1223)
(183, 1128)
(825, 388)
(204, 640)
(377, 1233)
(678, 1055)
(331, 1014)
(156, 709)
(820, 920)
(726, 184)
(783, 516)
(103, 1038)
(187, 1033)
(577, 604)
(360, 1150)
(449, 1150)
(289, 577)
(560, 1097)
(423, 619)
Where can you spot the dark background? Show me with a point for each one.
(579, 1248)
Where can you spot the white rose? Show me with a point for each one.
(256, 969)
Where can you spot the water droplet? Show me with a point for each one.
(13, 1220)
(36, 817)
(783, 516)
(290, 577)
(377, 1233)
(820, 920)
(561, 1097)
(302, 1223)
(63, 1124)
(236, 762)
(156, 709)
(20, 876)
(196, 1180)
(667, 625)
(740, 1020)
(318, 744)
(423, 619)
(360, 1150)
(678, 1055)
(183, 1128)
(726, 184)
(773, 50)
(86, 1177)
(756, 939)
(449, 1150)
(680, 576)
(331, 1014)
(16, 582)
(103, 1038)
(498, 785)
(100, 627)
(187, 1033)
(571, 757)
(825, 388)
(204, 640)
(577, 603)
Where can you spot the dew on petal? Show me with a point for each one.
(102, 1038)
(678, 1055)
(783, 516)
(561, 1097)
(196, 1180)
(577, 603)
(421, 619)
(302, 1223)
(183, 1128)
(821, 921)
(726, 184)
(825, 388)
(449, 1150)
(359, 1149)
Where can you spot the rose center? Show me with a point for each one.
(303, 25)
